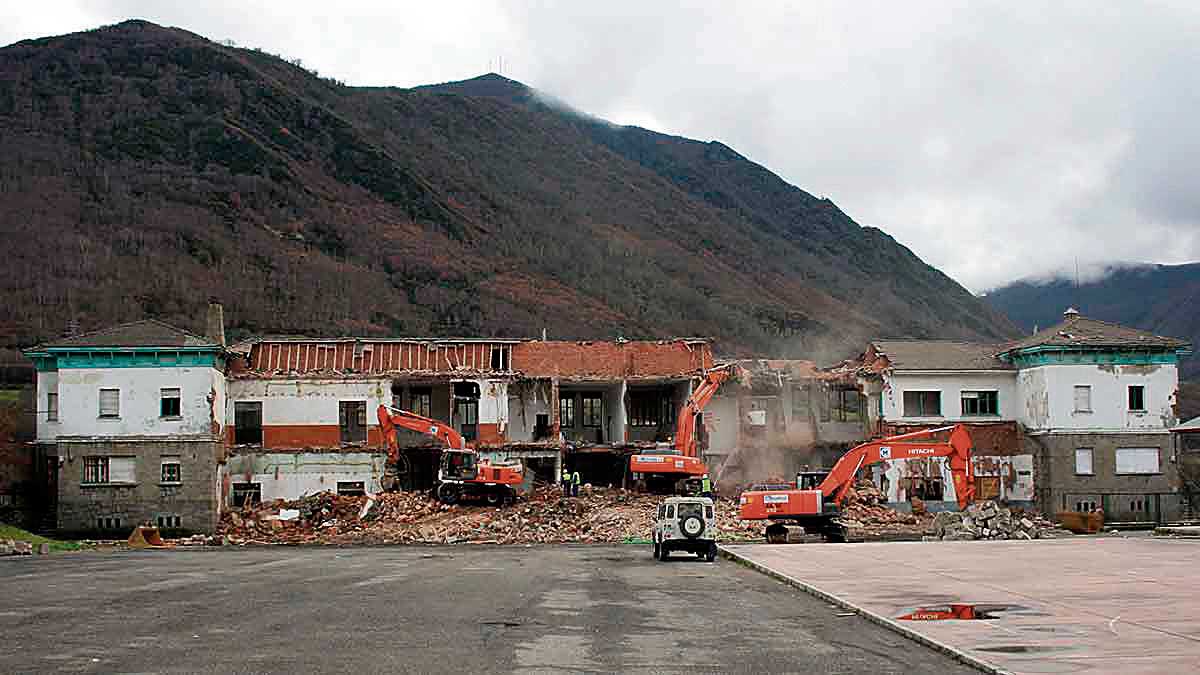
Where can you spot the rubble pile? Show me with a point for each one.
(16, 547)
(545, 517)
(862, 513)
(988, 520)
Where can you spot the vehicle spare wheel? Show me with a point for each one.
(448, 493)
(692, 527)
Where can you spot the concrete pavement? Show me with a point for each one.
(445, 609)
(1086, 604)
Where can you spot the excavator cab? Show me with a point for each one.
(459, 464)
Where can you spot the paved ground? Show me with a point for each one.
(449, 609)
(1080, 605)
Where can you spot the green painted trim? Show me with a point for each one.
(1050, 356)
(146, 358)
(114, 350)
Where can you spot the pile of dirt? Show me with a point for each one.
(596, 516)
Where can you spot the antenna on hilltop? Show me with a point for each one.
(1077, 303)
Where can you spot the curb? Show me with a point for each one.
(867, 614)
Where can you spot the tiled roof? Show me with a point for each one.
(939, 355)
(1080, 331)
(147, 333)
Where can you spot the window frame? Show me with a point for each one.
(99, 467)
(420, 401)
(1117, 462)
(357, 408)
(598, 411)
(1091, 462)
(162, 471)
(992, 394)
(1075, 401)
(162, 401)
(1141, 392)
(246, 429)
(566, 411)
(921, 399)
(52, 406)
(116, 415)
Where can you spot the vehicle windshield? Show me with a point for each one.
(687, 509)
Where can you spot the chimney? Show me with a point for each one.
(214, 327)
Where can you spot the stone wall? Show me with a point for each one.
(88, 509)
(1122, 496)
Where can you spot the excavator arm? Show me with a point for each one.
(685, 426)
(957, 450)
(391, 418)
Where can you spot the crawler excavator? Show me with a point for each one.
(461, 474)
(664, 470)
(813, 502)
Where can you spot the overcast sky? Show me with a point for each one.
(996, 140)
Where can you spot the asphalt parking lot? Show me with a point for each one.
(408, 609)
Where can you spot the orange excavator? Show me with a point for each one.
(461, 473)
(662, 469)
(814, 501)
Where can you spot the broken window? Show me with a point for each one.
(1083, 461)
(1083, 398)
(247, 423)
(566, 411)
(541, 426)
(499, 358)
(980, 403)
(352, 421)
(846, 405)
(593, 410)
(1137, 461)
(52, 407)
(110, 403)
(1137, 398)
(421, 401)
(169, 405)
(244, 494)
(922, 404)
(354, 488)
(466, 409)
(172, 470)
(924, 487)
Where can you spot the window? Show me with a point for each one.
(800, 402)
(670, 510)
(647, 408)
(980, 403)
(566, 411)
(352, 421)
(51, 407)
(1083, 398)
(924, 487)
(1137, 460)
(169, 406)
(245, 494)
(354, 488)
(922, 404)
(106, 470)
(499, 358)
(172, 471)
(1083, 462)
(247, 423)
(1137, 398)
(95, 469)
(421, 402)
(846, 405)
(169, 521)
(110, 403)
(109, 523)
(593, 410)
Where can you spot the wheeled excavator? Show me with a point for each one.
(461, 474)
(663, 470)
(814, 501)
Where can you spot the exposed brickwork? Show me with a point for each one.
(995, 438)
(194, 500)
(611, 360)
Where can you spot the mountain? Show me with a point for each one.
(144, 170)
(1163, 299)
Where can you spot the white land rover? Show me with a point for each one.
(686, 524)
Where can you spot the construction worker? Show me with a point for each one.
(566, 481)
(575, 481)
(706, 487)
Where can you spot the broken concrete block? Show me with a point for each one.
(22, 548)
(1026, 523)
(43, 549)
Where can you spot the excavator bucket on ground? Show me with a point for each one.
(145, 536)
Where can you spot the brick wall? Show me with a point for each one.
(611, 360)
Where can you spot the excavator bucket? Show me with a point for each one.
(145, 536)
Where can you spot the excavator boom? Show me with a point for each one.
(682, 461)
(391, 418)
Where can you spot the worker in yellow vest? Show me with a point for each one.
(575, 481)
(566, 481)
(706, 487)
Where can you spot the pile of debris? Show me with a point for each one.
(545, 517)
(988, 520)
(18, 547)
(862, 514)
